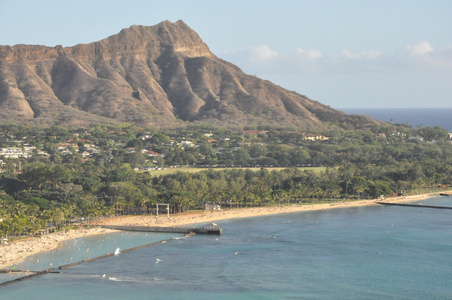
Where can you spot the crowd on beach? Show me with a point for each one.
(16, 252)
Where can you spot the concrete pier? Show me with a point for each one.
(201, 230)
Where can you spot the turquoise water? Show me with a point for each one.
(379, 252)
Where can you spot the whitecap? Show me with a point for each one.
(114, 279)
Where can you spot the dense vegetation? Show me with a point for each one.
(94, 172)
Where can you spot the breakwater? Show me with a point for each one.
(415, 205)
(32, 274)
(64, 267)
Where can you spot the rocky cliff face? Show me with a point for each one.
(158, 75)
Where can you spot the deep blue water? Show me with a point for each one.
(412, 116)
(378, 252)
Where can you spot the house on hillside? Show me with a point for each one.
(24, 152)
(255, 132)
(187, 144)
(315, 137)
(15, 152)
(151, 153)
(65, 147)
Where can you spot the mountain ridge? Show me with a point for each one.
(161, 75)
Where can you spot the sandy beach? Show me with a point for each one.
(201, 217)
(19, 250)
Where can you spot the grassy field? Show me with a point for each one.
(195, 170)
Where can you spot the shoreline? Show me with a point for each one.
(202, 217)
(16, 252)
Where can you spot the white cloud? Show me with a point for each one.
(417, 74)
(346, 54)
(262, 53)
(250, 56)
(420, 57)
(424, 57)
(309, 54)
(372, 54)
(423, 48)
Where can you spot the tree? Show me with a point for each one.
(346, 173)
(258, 150)
(159, 138)
(379, 187)
(37, 175)
(433, 133)
(241, 156)
(358, 185)
(122, 173)
(299, 156)
(280, 196)
(135, 159)
(128, 192)
(135, 143)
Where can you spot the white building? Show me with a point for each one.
(187, 144)
(14, 152)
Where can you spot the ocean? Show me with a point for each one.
(372, 252)
(412, 116)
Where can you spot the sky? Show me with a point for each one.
(343, 53)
